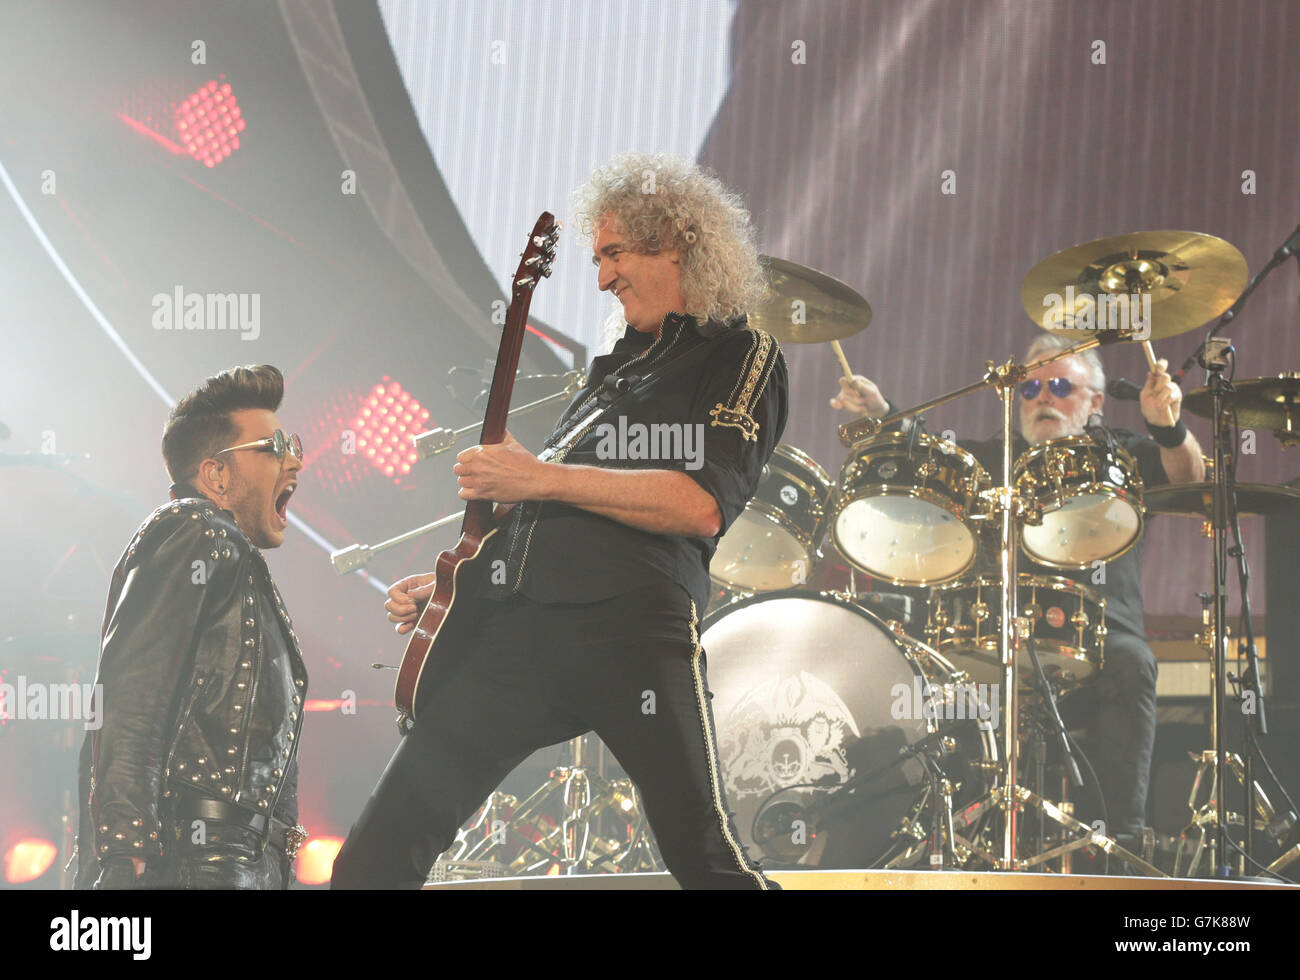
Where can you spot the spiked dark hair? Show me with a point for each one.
(200, 424)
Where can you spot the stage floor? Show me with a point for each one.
(877, 880)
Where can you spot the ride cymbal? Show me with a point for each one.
(1197, 499)
(1260, 403)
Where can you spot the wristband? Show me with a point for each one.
(1168, 436)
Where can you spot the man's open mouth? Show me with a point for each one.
(282, 504)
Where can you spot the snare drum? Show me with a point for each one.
(810, 690)
(1067, 621)
(906, 507)
(1090, 500)
(773, 543)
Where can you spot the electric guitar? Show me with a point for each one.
(478, 526)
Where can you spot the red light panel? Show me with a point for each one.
(389, 416)
(209, 121)
(205, 124)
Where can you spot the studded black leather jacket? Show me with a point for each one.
(201, 686)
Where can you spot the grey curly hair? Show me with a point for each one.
(664, 202)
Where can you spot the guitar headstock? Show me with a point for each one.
(539, 253)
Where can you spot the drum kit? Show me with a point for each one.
(852, 736)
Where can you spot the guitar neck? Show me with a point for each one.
(533, 266)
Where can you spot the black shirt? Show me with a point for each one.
(1120, 580)
(707, 399)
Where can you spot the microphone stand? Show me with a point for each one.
(1288, 249)
(1212, 357)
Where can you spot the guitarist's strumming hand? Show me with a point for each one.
(407, 597)
(504, 472)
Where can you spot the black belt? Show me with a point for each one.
(270, 829)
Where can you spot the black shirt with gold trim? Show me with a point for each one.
(706, 398)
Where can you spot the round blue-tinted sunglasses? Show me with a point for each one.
(1059, 387)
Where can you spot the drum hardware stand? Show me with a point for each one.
(1212, 356)
(1010, 797)
(941, 843)
(944, 848)
(1214, 819)
(583, 795)
(1057, 725)
(942, 835)
(1193, 841)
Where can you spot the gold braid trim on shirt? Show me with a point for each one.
(755, 369)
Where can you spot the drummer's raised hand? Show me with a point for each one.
(1161, 398)
(860, 396)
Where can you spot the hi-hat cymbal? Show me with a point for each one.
(1260, 403)
(1197, 499)
(807, 306)
(1191, 278)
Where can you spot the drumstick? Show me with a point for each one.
(1151, 360)
(844, 361)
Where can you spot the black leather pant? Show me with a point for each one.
(528, 675)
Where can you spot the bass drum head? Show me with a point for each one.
(809, 688)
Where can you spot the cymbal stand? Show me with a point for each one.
(1207, 790)
(1007, 795)
(1212, 356)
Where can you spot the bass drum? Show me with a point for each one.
(810, 692)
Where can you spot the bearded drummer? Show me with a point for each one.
(1058, 400)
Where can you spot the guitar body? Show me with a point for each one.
(478, 526)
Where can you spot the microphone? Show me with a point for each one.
(1123, 389)
(613, 386)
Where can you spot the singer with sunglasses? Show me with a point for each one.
(191, 780)
(1062, 399)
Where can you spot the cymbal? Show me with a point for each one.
(1191, 278)
(1197, 499)
(830, 310)
(1261, 403)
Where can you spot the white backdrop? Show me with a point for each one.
(571, 81)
